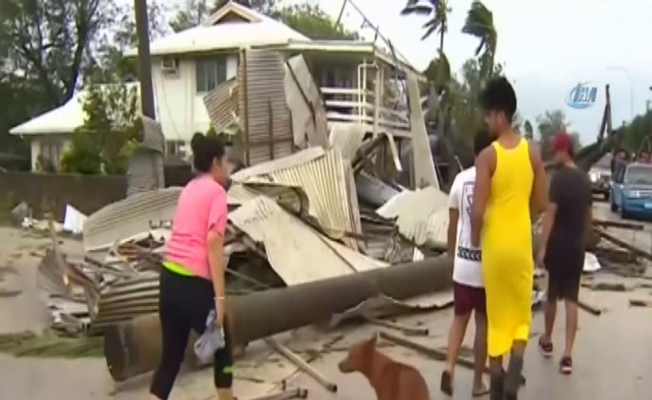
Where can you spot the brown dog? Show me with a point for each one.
(390, 379)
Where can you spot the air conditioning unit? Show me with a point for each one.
(169, 65)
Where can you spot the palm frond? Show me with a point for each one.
(413, 7)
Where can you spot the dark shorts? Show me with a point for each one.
(564, 273)
(564, 285)
(468, 298)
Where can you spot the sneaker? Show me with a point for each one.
(545, 347)
(566, 365)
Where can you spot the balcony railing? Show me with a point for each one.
(357, 106)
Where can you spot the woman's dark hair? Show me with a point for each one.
(481, 141)
(205, 149)
(499, 95)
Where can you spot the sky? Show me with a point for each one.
(547, 47)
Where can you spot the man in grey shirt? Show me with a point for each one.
(565, 227)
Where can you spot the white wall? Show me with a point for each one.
(179, 107)
(37, 140)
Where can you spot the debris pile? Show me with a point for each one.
(310, 205)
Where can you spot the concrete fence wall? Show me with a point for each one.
(51, 192)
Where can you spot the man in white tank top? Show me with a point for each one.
(468, 286)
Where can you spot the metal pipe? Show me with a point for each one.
(133, 348)
(144, 60)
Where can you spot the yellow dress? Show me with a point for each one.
(506, 242)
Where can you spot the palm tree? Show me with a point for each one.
(480, 23)
(437, 10)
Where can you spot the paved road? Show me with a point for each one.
(613, 357)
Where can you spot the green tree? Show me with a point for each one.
(49, 41)
(191, 14)
(480, 24)
(437, 11)
(107, 63)
(464, 92)
(634, 134)
(550, 123)
(109, 134)
(313, 22)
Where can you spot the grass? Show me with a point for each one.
(49, 345)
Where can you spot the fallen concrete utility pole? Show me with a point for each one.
(133, 348)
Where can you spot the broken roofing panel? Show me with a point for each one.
(305, 103)
(222, 105)
(266, 120)
(326, 183)
(325, 178)
(421, 215)
(289, 242)
(424, 166)
(347, 138)
(269, 167)
(129, 218)
(292, 198)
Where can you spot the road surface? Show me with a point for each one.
(613, 358)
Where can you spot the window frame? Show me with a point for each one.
(210, 72)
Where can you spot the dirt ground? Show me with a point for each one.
(613, 358)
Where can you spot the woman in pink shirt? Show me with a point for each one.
(192, 277)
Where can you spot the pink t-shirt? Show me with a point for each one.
(201, 208)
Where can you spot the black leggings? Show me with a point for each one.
(184, 304)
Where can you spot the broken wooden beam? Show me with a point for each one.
(134, 347)
(301, 364)
(640, 303)
(623, 244)
(590, 308)
(297, 393)
(618, 224)
(430, 352)
(406, 329)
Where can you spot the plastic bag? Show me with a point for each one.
(210, 341)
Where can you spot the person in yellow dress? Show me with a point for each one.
(509, 179)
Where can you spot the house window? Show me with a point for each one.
(210, 73)
(50, 155)
(175, 148)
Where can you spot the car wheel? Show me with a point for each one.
(606, 196)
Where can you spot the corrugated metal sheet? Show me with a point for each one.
(125, 299)
(424, 165)
(222, 105)
(129, 217)
(269, 167)
(421, 215)
(326, 183)
(289, 242)
(347, 138)
(305, 102)
(268, 125)
(292, 198)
